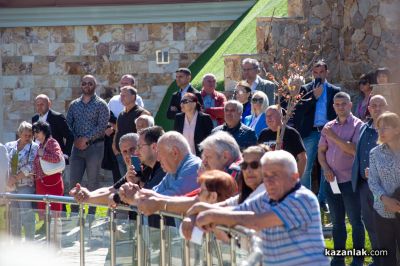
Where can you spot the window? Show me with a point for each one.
(162, 56)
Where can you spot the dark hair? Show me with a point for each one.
(151, 134)
(131, 89)
(383, 70)
(194, 98)
(44, 127)
(184, 70)
(245, 190)
(319, 63)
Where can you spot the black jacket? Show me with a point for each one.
(204, 126)
(60, 130)
(304, 113)
(176, 101)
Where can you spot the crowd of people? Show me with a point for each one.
(220, 164)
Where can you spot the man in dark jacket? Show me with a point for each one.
(183, 78)
(311, 115)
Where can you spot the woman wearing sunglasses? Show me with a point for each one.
(194, 125)
(256, 121)
(360, 109)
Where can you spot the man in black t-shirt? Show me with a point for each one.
(292, 141)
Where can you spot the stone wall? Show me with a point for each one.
(355, 36)
(51, 60)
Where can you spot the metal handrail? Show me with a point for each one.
(255, 252)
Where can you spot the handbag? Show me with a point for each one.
(49, 168)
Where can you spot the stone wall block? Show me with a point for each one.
(39, 48)
(81, 34)
(63, 93)
(129, 33)
(203, 31)
(50, 92)
(167, 32)
(22, 94)
(9, 49)
(88, 49)
(154, 31)
(117, 48)
(321, 11)
(376, 28)
(295, 8)
(357, 20)
(364, 6)
(117, 33)
(43, 81)
(62, 34)
(40, 68)
(64, 49)
(190, 31)
(8, 81)
(358, 36)
(141, 33)
(103, 49)
(178, 31)
(23, 49)
(132, 47)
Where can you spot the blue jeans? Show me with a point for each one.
(347, 202)
(311, 145)
(121, 164)
(22, 214)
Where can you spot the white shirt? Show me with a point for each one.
(117, 107)
(255, 83)
(188, 131)
(43, 118)
(234, 201)
(185, 90)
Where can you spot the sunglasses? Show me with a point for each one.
(257, 100)
(363, 82)
(253, 165)
(185, 101)
(36, 131)
(83, 84)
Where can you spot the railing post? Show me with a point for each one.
(48, 219)
(233, 249)
(82, 235)
(8, 216)
(186, 250)
(139, 238)
(112, 236)
(208, 250)
(162, 241)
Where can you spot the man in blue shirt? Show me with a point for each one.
(359, 178)
(181, 166)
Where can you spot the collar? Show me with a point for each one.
(226, 128)
(45, 115)
(180, 165)
(185, 89)
(348, 119)
(275, 202)
(257, 80)
(135, 107)
(204, 94)
(91, 98)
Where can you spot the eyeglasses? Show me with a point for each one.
(83, 84)
(257, 100)
(36, 131)
(253, 165)
(140, 146)
(185, 101)
(240, 92)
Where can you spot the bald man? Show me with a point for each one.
(58, 124)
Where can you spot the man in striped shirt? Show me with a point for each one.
(287, 214)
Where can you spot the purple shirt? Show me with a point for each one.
(340, 162)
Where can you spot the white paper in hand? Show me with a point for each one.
(335, 186)
(197, 235)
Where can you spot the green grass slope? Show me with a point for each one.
(239, 38)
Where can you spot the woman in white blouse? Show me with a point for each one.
(192, 123)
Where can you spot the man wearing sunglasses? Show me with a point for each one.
(292, 141)
(87, 118)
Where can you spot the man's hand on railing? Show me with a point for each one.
(80, 194)
(199, 207)
(127, 193)
(149, 204)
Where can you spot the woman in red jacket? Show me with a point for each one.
(49, 151)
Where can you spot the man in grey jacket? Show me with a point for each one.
(250, 70)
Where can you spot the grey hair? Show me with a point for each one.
(209, 75)
(133, 137)
(281, 157)
(342, 95)
(24, 126)
(148, 118)
(265, 103)
(237, 104)
(252, 61)
(221, 141)
(174, 138)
